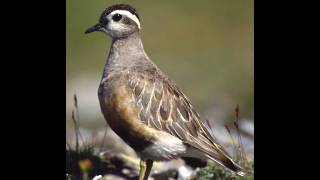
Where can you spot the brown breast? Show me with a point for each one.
(122, 114)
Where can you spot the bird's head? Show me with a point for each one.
(119, 20)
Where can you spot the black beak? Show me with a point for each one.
(93, 28)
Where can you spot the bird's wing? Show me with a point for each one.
(164, 107)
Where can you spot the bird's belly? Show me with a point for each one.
(122, 116)
(122, 128)
(149, 143)
(165, 147)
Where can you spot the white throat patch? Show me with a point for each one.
(128, 14)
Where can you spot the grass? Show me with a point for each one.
(217, 172)
(213, 171)
(81, 162)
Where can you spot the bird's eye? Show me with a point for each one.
(116, 17)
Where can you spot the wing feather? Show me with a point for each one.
(164, 107)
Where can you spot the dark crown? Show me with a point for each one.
(114, 7)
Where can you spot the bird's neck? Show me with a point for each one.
(125, 52)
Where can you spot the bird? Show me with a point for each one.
(143, 106)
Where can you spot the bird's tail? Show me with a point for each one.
(228, 163)
(218, 157)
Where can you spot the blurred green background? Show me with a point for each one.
(205, 46)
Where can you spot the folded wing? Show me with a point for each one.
(164, 107)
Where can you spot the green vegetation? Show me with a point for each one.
(212, 171)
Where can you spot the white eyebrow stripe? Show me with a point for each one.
(128, 14)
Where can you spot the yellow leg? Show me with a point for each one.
(145, 169)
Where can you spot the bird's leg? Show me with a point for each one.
(145, 169)
(148, 170)
(142, 169)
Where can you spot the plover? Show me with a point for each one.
(143, 106)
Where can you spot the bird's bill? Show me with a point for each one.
(93, 28)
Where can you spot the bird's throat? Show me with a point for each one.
(126, 52)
